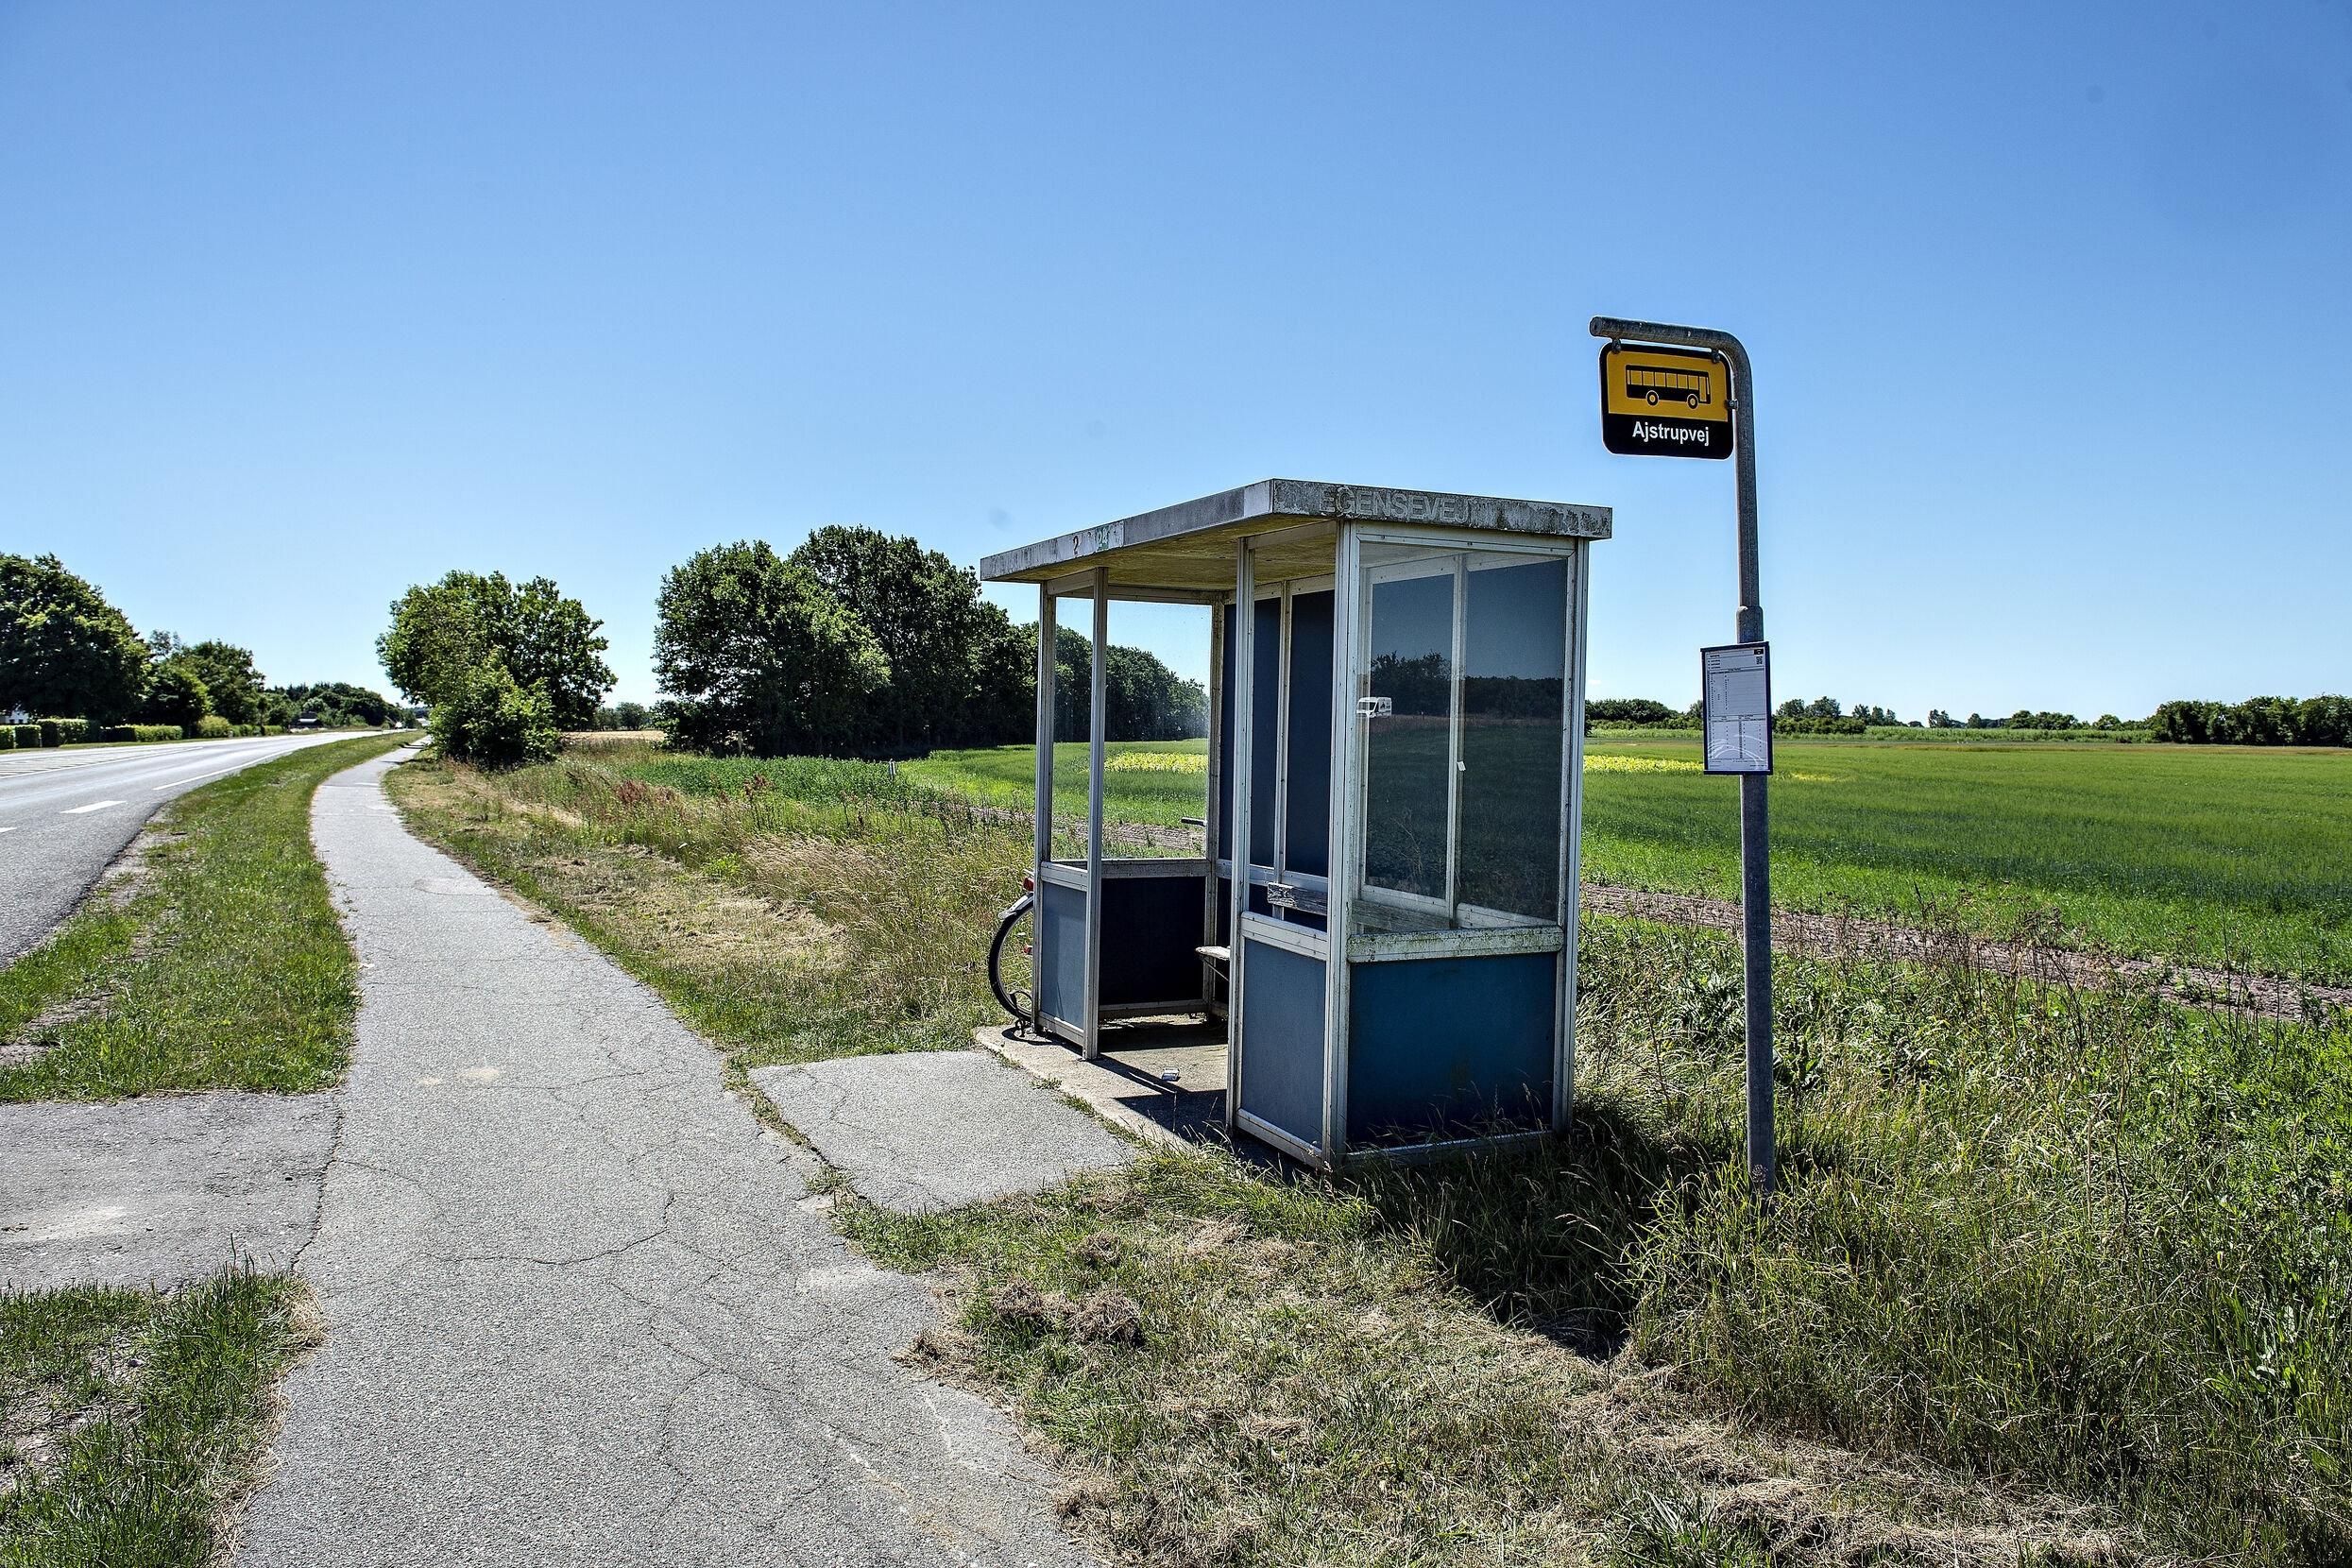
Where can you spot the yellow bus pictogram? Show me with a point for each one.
(1657, 383)
(1663, 382)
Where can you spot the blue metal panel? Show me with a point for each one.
(1151, 925)
(1309, 818)
(1282, 1039)
(1449, 1046)
(1060, 956)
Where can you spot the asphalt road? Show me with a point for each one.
(65, 813)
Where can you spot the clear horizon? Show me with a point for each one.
(308, 306)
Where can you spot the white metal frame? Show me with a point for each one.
(1098, 721)
(1243, 633)
(1571, 837)
(1342, 847)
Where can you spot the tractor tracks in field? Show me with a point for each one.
(1797, 933)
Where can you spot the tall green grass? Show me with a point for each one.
(2091, 1239)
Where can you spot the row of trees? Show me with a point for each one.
(859, 642)
(626, 716)
(855, 643)
(1820, 716)
(2029, 719)
(2324, 721)
(65, 652)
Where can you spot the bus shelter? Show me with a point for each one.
(1384, 908)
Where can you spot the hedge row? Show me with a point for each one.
(74, 732)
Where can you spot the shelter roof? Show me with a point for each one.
(1189, 546)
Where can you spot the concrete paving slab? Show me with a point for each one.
(158, 1190)
(578, 1306)
(1131, 1097)
(925, 1130)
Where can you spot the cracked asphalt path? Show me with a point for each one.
(579, 1307)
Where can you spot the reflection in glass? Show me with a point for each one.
(1265, 729)
(1406, 752)
(1514, 662)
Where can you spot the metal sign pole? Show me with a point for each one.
(1755, 864)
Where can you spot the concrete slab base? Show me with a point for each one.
(925, 1130)
(1125, 1088)
(158, 1190)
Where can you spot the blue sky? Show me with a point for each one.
(300, 304)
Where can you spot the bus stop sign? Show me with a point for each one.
(1664, 403)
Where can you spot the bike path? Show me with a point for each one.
(579, 1306)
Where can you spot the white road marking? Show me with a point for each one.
(9, 829)
(94, 806)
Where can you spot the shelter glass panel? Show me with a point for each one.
(1408, 760)
(1514, 666)
(1461, 689)
(1264, 731)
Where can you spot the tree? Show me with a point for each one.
(2324, 721)
(760, 656)
(227, 672)
(443, 633)
(1001, 704)
(438, 638)
(175, 696)
(1630, 711)
(550, 641)
(63, 649)
(334, 704)
(925, 614)
(493, 721)
(622, 716)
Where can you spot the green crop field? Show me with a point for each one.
(2236, 856)
(1155, 783)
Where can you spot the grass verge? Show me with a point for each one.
(1248, 1371)
(2056, 1275)
(216, 963)
(129, 1421)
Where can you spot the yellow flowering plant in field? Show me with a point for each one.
(1156, 761)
